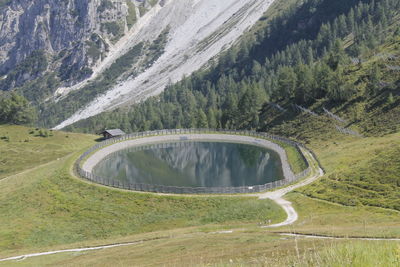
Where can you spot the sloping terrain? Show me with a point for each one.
(53, 210)
(46, 205)
(198, 30)
(24, 148)
(340, 96)
(66, 39)
(357, 144)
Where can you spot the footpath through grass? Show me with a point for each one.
(241, 248)
(360, 193)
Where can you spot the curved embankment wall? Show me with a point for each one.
(102, 150)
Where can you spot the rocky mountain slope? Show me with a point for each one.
(75, 59)
(68, 37)
(198, 31)
(318, 58)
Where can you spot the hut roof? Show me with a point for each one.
(115, 132)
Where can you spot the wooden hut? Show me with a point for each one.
(113, 133)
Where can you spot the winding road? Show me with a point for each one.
(278, 195)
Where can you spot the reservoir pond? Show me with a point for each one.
(193, 164)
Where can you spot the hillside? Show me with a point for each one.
(76, 60)
(47, 206)
(323, 64)
(324, 73)
(24, 148)
(312, 87)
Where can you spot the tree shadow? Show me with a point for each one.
(100, 139)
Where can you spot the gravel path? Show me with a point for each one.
(23, 257)
(339, 238)
(32, 169)
(277, 195)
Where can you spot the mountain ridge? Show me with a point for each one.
(68, 59)
(192, 43)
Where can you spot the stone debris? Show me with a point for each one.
(347, 131)
(356, 61)
(305, 110)
(394, 68)
(199, 30)
(278, 107)
(334, 116)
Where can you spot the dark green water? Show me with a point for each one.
(193, 164)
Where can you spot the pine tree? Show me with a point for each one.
(287, 81)
(310, 55)
(336, 56)
(374, 79)
(351, 20)
(305, 84)
(249, 107)
(202, 121)
(212, 121)
(390, 99)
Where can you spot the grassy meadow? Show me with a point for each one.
(47, 206)
(332, 219)
(360, 172)
(241, 248)
(23, 148)
(44, 207)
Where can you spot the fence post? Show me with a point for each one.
(180, 190)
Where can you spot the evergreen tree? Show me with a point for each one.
(336, 56)
(286, 62)
(390, 99)
(211, 117)
(305, 84)
(16, 109)
(287, 80)
(202, 121)
(374, 79)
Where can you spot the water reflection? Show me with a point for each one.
(193, 164)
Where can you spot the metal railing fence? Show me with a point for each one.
(189, 190)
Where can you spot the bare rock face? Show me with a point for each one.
(73, 34)
(74, 59)
(52, 26)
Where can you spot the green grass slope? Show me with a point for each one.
(322, 217)
(23, 148)
(46, 206)
(242, 248)
(53, 210)
(360, 172)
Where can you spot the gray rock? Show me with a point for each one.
(64, 29)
